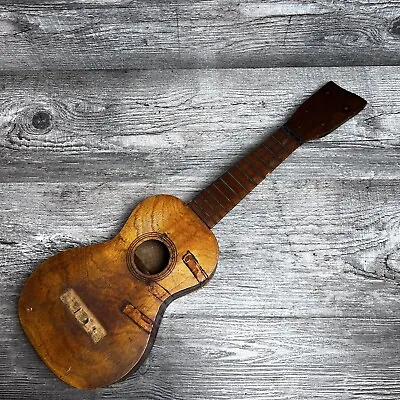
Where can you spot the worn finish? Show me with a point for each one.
(83, 315)
(127, 268)
(323, 250)
(197, 34)
(305, 301)
(326, 110)
(158, 119)
(72, 295)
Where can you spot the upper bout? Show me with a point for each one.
(193, 248)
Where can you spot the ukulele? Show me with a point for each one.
(92, 313)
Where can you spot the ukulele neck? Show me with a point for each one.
(216, 200)
(319, 115)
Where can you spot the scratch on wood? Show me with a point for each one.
(138, 317)
(287, 29)
(178, 34)
(8, 243)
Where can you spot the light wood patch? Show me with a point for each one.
(87, 320)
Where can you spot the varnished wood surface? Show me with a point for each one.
(109, 314)
(197, 34)
(304, 302)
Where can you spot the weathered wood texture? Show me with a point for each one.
(312, 243)
(203, 34)
(304, 303)
(260, 358)
(64, 337)
(105, 126)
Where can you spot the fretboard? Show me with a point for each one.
(319, 115)
(215, 201)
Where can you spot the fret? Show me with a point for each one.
(231, 190)
(215, 218)
(246, 172)
(212, 191)
(254, 158)
(270, 169)
(292, 134)
(277, 150)
(281, 144)
(203, 215)
(266, 157)
(213, 203)
(214, 185)
(208, 202)
(247, 181)
(315, 118)
(274, 145)
(234, 183)
(290, 143)
(275, 155)
(200, 203)
(262, 176)
(272, 162)
(240, 184)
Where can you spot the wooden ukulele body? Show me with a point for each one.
(92, 314)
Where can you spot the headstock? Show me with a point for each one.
(324, 111)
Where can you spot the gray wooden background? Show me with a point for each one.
(105, 102)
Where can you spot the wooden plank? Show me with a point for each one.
(293, 248)
(269, 7)
(103, 126)
(197, 34)
(225, 358)
(316, 245)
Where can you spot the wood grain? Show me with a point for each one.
(202, 34)
(111, 125)
(91, 287)
(260, 358)
(316, 246)
(323, 112)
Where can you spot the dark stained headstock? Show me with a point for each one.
(323, 112)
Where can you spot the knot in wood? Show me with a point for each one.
(31, 125)
(395, 27)
(41, 120)
(35, 120)
(392, 264)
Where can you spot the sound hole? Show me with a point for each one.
(151, 257)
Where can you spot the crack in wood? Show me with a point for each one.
(8, 242)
